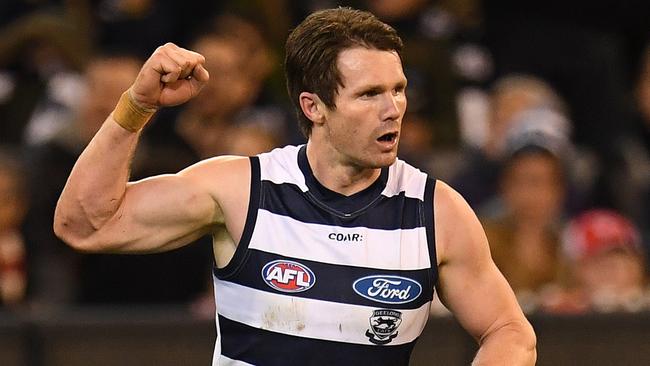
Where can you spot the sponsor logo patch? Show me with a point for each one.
(387, 289)
(288, 276)
(346, 237)
(383, 326)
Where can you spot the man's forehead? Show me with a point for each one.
(360, 65)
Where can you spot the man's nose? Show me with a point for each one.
(392, 107)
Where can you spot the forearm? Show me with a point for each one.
(512, 344)
(97, 183)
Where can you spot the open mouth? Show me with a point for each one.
(388, 137)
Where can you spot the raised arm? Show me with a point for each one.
(99, 211)
(472, 287)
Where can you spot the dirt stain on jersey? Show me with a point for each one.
(287, 318)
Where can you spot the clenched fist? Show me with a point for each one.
(171, 76)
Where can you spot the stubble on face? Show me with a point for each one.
(363, 130)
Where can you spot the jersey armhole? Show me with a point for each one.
(430, 228)
(241, 253)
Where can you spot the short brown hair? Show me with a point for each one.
(313, 47)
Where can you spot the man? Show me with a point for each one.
(331, 251)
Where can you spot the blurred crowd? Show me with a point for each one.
(539, 115)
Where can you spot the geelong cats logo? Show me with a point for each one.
(383, 326)
(288, 276)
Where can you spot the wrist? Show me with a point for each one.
(131, 115)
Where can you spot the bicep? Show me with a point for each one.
(158, 214)
(470, 284)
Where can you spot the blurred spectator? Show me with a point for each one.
(13, 206)
(642, 92)
(239, 61)
(514, 100)
(524, 234)
(513, 96)
(41, 51)
(48, 31)
(55, 108)
(606, 263)
(639, 155)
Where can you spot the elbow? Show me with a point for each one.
(530, 344)
(77, 227)
(514, 343)
(527, 342)
(80, 240)
(63, 230)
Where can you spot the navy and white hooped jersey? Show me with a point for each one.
(319, 278)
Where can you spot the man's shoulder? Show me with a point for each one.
(222, 168)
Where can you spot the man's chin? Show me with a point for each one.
(384, 161)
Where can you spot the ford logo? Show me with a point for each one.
(288, 276)
(387, 289)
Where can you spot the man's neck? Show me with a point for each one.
(336, 175)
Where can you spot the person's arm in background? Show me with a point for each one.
(99, 211)
(472, 287)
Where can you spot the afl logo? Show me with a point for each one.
(288, 276)
(387, 289)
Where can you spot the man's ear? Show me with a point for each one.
(312, 107)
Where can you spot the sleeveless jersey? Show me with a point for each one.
(319, 278)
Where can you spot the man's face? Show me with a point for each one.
(233, 87)
(364, 128)
(533, 188)
(612, 271)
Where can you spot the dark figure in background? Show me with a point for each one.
(640, 155)
(14, 202)
(524, 233)
(515, 100)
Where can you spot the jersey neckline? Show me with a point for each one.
(342, 205)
